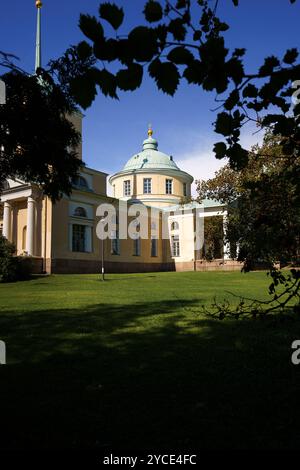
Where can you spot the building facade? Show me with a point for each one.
(62, 237)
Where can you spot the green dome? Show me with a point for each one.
(150, 158)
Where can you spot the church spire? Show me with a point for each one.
(38, 51)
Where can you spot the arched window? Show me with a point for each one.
(174, 226)
(81, 182)
(80, 212)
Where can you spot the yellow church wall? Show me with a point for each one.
(158, 189)
(159, 185)
(19, 219)
(99, 182)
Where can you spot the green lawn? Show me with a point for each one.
(131, 363)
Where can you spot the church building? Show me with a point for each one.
(62, 237)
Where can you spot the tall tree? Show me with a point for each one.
(37, 140)
(264, 204)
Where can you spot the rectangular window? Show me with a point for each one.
(115, 243)
(169, 186)
(127, 188)
(175, 246)
(153, 246)
(137, 247)
(147, 185)
(78, 238)
(184, 189)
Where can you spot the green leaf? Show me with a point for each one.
(269, 65)
(238, 157)
(84, 50)
(143, 43)
(91, 27)
(290, 56)
(153, 11)
(113, 14)
(130, 78)
(224, 124)
(124, 51)
(194, 73)
(161, 32)
(250, 91)
(83, 90)
(197, 35)
(232, 100)
(235, 70)
(177, 28)
(107, 82)
(180, 55)
(166, 76)
(220, 150)
(106, 50)
(239, 52)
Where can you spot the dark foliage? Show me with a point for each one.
(37, 140)
(202, 59)
(13, 268)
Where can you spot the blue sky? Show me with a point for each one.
(114, 130)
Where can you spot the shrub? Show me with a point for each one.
(13, 268)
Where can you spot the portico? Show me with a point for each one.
(20, 217)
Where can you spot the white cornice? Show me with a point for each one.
(161, 171)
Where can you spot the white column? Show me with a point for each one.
(30, 226)
(7, 221)
(226, 253)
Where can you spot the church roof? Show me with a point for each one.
(150, 157)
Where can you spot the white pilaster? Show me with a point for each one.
(30, 226)
(7, 221)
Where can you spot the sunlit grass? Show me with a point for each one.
(130, 362)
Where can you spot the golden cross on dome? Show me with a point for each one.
(150, 130)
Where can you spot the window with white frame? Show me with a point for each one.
(115, 243)
(81, 238)
(137, 247)
(78, 238)
(169, 186)
(174, 226)
(175, 245)
(147, 185)
(153, 247)
(127, 188)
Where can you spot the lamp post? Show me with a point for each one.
(102, 253)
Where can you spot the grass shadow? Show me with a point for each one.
(147, 375)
